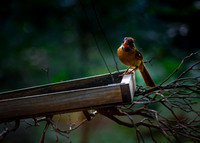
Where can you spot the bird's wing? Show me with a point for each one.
(138, 55)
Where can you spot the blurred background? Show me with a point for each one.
(55, 36)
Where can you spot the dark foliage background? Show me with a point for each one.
(55, 35)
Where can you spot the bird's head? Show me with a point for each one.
(128, 44)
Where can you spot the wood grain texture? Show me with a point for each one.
(88, 82)
(54, 103)
(69, 96)
(130, 79)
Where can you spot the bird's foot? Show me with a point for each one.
(126, 72)
(131, 72)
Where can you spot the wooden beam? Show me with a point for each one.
(53, 103)
(66, 101)
(130, 80)
(87, 82)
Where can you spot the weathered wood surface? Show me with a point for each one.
(54, 103)
(88, 82)
(19, 107)
(130, 80)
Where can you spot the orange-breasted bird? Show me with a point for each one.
(130, 56)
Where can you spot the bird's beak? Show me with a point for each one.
(125, 44)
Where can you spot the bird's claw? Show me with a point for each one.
(128, 72)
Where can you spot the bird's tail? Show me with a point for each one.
(146, 76)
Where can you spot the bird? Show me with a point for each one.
(129, 55)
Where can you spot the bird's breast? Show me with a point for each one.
(128, 58)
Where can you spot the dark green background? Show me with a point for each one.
(56, 35)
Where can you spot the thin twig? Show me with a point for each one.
(187, 57)
(7, 131)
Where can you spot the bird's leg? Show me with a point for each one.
(134, 69)
(126, 72)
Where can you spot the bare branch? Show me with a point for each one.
(44, 132)
(7, 131)
(177, 116)
(187, 57)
